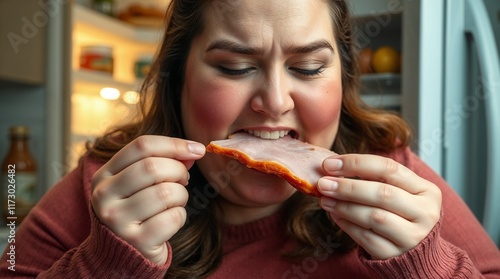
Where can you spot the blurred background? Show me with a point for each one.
(69, 69)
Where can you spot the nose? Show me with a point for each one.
(273, 95)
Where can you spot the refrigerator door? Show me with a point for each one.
(471, 154)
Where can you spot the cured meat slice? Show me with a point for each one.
(297, 162)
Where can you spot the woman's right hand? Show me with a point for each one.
(140, 193)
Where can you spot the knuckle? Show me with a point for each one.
(179, 148)
(434, 216)
(98, 195)
(141, 143)
(356, 162)
(96, 179)
(348, 187)
(434, 204)
(367, 237)
(378, 217)
(343, 208)
(150, 166)
(177, 216)
(164, 192)
(182, 195)
(436, 193)
(391, 167)
(385, 193)
(107, 215)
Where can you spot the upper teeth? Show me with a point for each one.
(268, 134)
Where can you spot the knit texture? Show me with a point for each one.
(62, 238)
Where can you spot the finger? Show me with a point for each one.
(162, 226)
(151, 201)
(149, 237)
(375, 245)
(154, 146)
(372, 193)
(384, 223)
(144, 173)
(376, 168)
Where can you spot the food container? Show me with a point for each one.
(97, 58)
(143, 65)
(103, 6)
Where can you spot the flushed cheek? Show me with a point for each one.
(209, 108)
(321, 115)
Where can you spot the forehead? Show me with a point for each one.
(258, 21)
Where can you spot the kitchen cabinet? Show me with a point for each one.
(91, 114)
(23, 29)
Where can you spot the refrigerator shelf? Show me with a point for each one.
(383, 79)
(91, 82)
(388, 101)
(381, 90)
(105, 26)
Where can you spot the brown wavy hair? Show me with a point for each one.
(197, 248)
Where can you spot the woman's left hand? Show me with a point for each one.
(385, 207)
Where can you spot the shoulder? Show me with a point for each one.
(78, 181)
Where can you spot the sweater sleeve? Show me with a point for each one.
(457, 247)
(62, 238)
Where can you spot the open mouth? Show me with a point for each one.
(271, 135)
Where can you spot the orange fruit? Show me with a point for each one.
(386, 59)
(365, 61)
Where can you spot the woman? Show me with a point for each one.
(148, 202)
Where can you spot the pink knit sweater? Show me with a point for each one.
(62, 238)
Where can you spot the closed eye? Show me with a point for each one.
(234, 72)
(308, 72)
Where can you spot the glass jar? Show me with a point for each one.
(97, 58)
(19, 177)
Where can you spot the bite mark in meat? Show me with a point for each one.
(297, 162)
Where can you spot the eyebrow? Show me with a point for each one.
(242, 49)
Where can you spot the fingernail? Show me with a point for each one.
(333, 164)
(196, 148)
(327, 185)
(188, 176)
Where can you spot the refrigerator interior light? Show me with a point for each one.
(110, 93)
(131, 97)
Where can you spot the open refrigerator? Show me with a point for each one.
(448, 88)
(100, 99)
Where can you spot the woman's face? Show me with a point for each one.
(265, 66)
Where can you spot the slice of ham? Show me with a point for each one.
(297, 162)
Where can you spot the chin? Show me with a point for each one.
(244, 186)
(260, 189)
